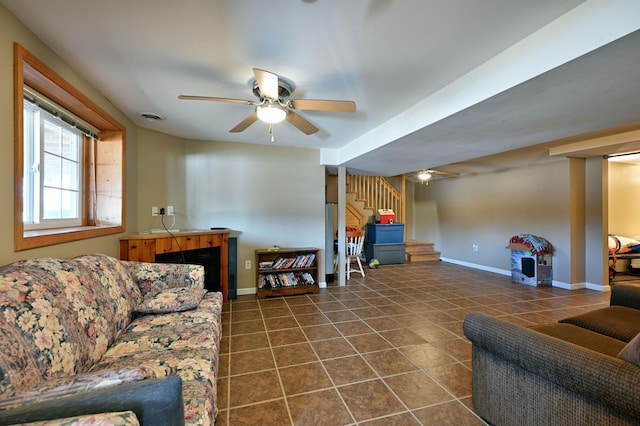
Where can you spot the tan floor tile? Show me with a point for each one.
(351, 328)
(427, 355)
(331, 306)
(304, 378)
(312, 319)
(333, 348)
(247, 342)
(246, 362)
(246, 327)
(318, 409)
(280, 323)
(348, 370)
(402, 337)
(390, 362)
(403, 419)
(384, 323)
(460, 349)
(368, 400)
(321, 332)
(453, 413)
(369, 342)
(242, 305)
(254, 387)
(246, 315)
(341, 316)
(298, 353)
(276, 311)
(270, 413)
(416, 389)
(223, 392)
(304, 309)
(223, 365)
(456, 378)
(286, 337)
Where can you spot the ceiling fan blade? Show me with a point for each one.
(211, 98)
(443, 173)
(324, 105)
(267, 82)
(302, 124)
(240, 127)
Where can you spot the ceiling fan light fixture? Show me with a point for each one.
(271, 113)
(424, 175)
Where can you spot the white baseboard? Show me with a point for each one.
(559, 284)
(598, 287)
(476, 266)
(246, 291)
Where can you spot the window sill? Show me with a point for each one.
(45, 237)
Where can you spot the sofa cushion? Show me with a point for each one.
(120, 294)
(176, 299)
(582, 337)
(50, 317)
(152, 277)
(619, 322)
(631, 352)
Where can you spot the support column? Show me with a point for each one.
(342, 225)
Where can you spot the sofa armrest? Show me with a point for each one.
(625, 295)
(153, 277)
(608, 380)
(154, 402)
(85, 382)
(127, 418)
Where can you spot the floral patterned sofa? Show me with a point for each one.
(92, 335)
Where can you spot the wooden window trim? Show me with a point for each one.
(109, 191)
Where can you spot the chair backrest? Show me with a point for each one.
(354, 245)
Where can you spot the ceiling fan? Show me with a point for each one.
(426, 175)
(274, 103)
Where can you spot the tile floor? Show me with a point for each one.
(387, 349)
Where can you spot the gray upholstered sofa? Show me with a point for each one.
(125, 343)
(583, 370)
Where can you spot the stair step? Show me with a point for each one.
(417, 251)
(431, 257)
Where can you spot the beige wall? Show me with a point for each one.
(624, 199)
(161, 176)
(268, 195)
(488, 209)
(14, 31)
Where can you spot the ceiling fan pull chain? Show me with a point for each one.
(273, 139)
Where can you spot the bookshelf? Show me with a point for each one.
(286, 272)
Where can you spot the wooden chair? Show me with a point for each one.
(354, 255)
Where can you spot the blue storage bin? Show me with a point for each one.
(378, 233)
(385, 253)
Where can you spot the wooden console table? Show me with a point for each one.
(144, 247)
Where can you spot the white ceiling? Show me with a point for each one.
(436, 82)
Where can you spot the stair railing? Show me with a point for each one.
(377, 193)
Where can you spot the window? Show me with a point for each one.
(69, 173)
(53, 168)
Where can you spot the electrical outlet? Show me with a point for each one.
(154, 211)
(247, 264)
(474, 247)
(169, 210)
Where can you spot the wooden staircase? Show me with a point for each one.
(367, 194)
(417, 251)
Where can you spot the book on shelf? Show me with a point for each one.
(285, 279)
(267, 264)
(300, 261)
